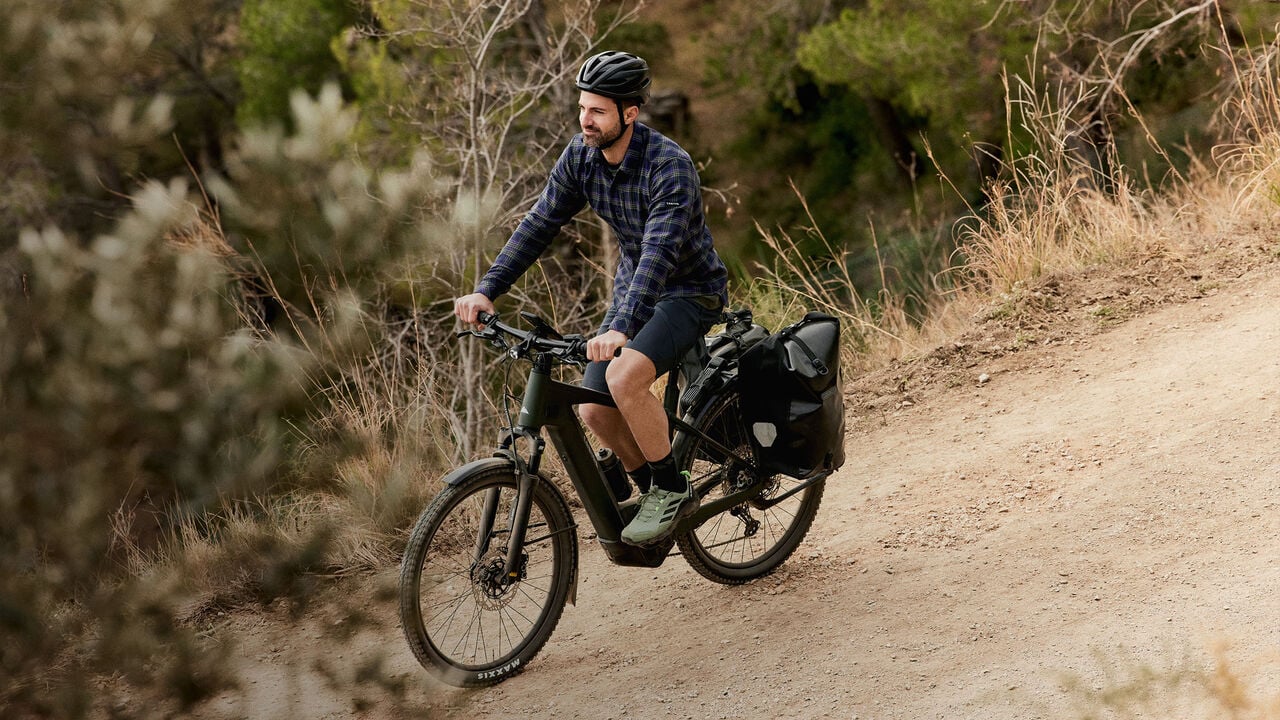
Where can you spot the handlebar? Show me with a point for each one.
(569, 349)
(572, 349)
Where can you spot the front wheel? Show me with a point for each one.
(466, 619)
(751, 539)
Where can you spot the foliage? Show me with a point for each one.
(286, 46)
(879, 50)
(649, 40)
(126, 395)
(110, 93)
(139, 405)
(885, 138)
(316, 219)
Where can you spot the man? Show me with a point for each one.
(669, 287)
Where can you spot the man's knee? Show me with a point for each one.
(629, 374)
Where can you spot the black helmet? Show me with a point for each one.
(617, 75)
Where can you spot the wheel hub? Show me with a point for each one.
(492, 588)
(740, 478)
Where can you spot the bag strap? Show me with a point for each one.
(819, 366)
(696, 387)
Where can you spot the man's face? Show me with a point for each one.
(598, 118)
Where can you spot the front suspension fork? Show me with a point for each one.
(518, 520)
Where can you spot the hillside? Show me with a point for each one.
(1072, 507)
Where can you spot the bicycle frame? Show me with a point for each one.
(548, 404)
(472, 620)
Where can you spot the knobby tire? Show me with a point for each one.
(748, 541)
(464, 620)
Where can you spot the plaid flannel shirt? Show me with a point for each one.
(653, 203)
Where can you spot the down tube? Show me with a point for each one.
(566, 434)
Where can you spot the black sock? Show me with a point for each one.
(642, 477)
(665, 475)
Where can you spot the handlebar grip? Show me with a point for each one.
(485, 318)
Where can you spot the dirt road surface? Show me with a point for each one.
(1085, 527)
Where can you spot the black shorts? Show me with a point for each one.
(676, 325)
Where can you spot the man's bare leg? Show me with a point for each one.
(630, 378)
(611, 428)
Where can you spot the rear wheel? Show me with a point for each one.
(753, 538)
(467, 620)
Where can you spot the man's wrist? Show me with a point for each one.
(621, 326)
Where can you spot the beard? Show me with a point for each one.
(601, 138)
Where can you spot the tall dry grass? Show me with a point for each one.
(876, 327)
(1066, 208)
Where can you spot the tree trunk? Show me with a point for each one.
(893, 138)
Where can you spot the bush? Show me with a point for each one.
(142, 413)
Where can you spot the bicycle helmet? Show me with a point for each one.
(618, 75)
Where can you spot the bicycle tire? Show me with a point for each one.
(480, 627)
(736, 546)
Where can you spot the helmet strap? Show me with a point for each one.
(622, 130)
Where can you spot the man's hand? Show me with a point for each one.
(468, 307)
(606, 346)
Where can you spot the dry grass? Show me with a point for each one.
(1053, 216)
(876, 329)
(1227, 686)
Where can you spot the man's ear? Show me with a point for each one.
(631, 113)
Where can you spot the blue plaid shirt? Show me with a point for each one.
(653, 203)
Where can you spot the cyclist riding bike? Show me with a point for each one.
(669, 287)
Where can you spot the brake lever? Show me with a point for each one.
(575, 353)
(489, 335)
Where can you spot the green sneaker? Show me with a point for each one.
(659, 511)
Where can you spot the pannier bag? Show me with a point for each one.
(704, 364)
(792, 397)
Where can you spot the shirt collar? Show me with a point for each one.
(634, 159)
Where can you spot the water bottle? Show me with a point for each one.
(614, 474)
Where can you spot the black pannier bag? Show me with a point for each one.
(792, 399)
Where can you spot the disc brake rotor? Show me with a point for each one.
(492, 588)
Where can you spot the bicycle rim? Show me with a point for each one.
(464, 618)
(748, 540)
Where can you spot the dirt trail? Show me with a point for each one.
(1097, 506)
